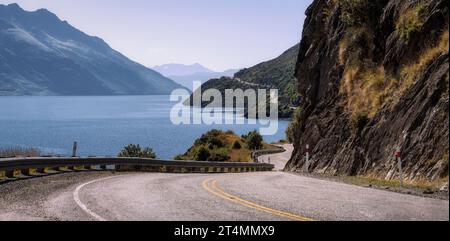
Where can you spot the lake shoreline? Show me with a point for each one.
(101, 125)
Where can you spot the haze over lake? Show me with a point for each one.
(102, 125)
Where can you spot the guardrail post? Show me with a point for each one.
(2, 175)
(30, 171)
(74, 149)
(306, 167)
(63, 169)
(14, 173)
(398, 155)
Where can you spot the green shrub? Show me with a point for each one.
(211, 139)
(214, 132)
(230, 132)
(254, 140)
(130, 151)
(411, 72)
(352, 12)
(180, 158)
(236, 145)
(215, 142)
(19, 152)
(292, 94)
(202, 154)
(147, 153)
(356, 44)
(133, 150)
(445, 157)
(285, 112)
(359, 121)
(218, 157)
(410, 22)
(293, 126)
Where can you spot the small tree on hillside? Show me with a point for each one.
(133, 150)
(254, 140)
(202, 154)
(236, 145)
(147, 153)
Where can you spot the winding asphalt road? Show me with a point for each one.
(279, 159)
(207, 197)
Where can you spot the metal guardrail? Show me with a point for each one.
(257, 154)
(35, 166)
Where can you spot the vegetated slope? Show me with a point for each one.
(274, 74)
(373, 76)
(220, 146)
(42, 55)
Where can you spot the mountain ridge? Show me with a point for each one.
(43, 55)
(175, 69)
(186, 74)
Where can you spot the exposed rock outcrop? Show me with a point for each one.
(373, 76)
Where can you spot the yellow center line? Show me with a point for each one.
(294, 216)
(211, 185)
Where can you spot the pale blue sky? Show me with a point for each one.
(219, 34)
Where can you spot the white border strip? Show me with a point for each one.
(76, 197)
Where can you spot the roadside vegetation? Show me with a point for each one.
(382, 183)
(365, 83)
(411, 21)
(359, 121)
(411, 72)
(280, 142)
(133, 150)
(11, 152)
(220, 146)
(293, 126)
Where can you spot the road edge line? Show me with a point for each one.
(76, 197)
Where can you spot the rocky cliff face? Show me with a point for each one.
(373, 76)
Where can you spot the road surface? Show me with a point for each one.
(203, 197)
(280, 159)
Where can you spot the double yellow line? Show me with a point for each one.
(211, 185)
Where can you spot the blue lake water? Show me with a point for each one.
(102, 125)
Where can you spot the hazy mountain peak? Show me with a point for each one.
(14, 9)
(186, 74)
(42, 55)
(46, 12)
(12, 6)
(181, 69)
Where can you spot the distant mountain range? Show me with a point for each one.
(42, 55)
(186, 74)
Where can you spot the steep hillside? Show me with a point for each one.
(277, 73)
(42, 55)
(373, 76)
(220, 146)
(274, 74)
